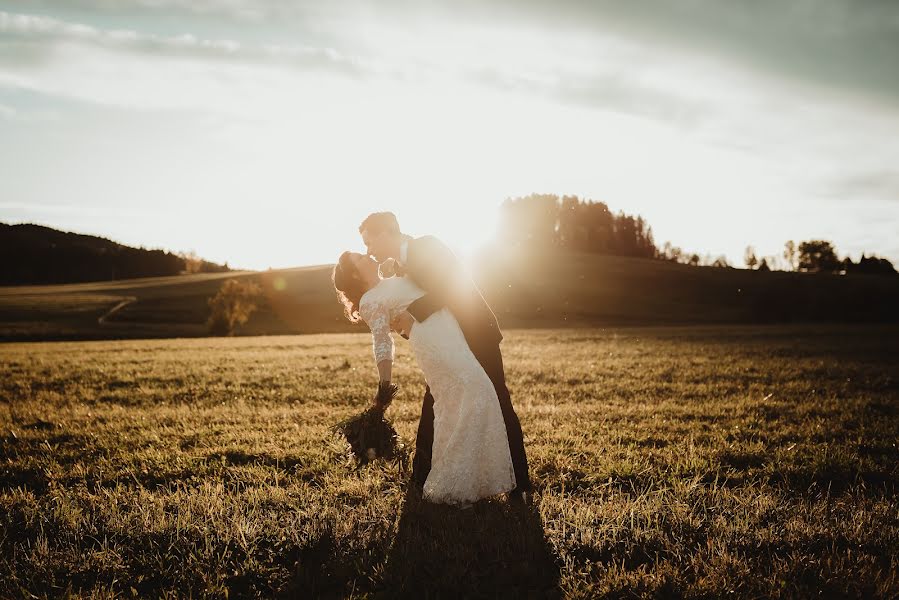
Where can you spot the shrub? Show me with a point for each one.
(232, 306)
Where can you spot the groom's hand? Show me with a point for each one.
(402, 324)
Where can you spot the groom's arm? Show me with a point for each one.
(426, 306)
(442, 274)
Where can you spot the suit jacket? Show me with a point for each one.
(436, 270)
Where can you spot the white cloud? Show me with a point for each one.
(140, 71)
(46, 31)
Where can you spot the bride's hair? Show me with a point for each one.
(349, 286)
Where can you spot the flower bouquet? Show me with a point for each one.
(369, 434)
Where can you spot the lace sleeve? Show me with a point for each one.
(377, 316)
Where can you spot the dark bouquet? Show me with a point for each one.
(369, 434)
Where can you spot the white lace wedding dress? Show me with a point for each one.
(470, 457)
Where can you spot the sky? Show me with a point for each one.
(262, 132)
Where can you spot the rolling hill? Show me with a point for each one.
(42, 255)
(535, 291)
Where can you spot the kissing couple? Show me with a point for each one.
(469, 443)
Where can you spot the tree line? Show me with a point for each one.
(816, 256)
(568, 222)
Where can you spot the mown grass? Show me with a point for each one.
(696, 462)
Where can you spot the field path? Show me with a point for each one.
(118, 285)
(115, 309)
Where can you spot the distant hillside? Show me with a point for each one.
(540, 290)
(38, 254)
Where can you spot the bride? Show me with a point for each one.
(470, 457)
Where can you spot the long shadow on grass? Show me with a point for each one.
(494, 549)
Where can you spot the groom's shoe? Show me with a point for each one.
(413, 485)
(418, 481)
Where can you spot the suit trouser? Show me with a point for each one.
(491, 360)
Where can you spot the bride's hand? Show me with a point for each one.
(402, 324)
(387, 268)
(387, 391)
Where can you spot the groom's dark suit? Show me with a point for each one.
(436, 270)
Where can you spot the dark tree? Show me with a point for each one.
(869, 265)
(569, 231)
(598, 226)
(195, 264)
(818, 256)
(790, 255)
(530, 220)
(625, 234)
(749, 257)
(671, 252)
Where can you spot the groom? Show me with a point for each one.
(436, 270)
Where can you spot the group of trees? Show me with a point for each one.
(676, 254)
(45, 255)
(195, 264)
(545, 220)
(568, 222)
(816, 256)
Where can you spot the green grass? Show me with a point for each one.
(526, 291)
(683, 461)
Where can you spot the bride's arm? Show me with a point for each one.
(385, 367)
(377, 315)
(378, 318)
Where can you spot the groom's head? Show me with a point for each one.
(381, 235)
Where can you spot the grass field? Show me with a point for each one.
(699, 462)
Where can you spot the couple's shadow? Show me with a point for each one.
(495, 548)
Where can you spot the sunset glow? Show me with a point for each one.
(262, 136)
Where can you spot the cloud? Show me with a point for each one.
(838, 43)
(841, 43)
(852, 44)
(606, 91)
(39, 33)
(233, 9)
(668, 60)
(27, 114)
(145, 71)
(43, 53)
(880, 183)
